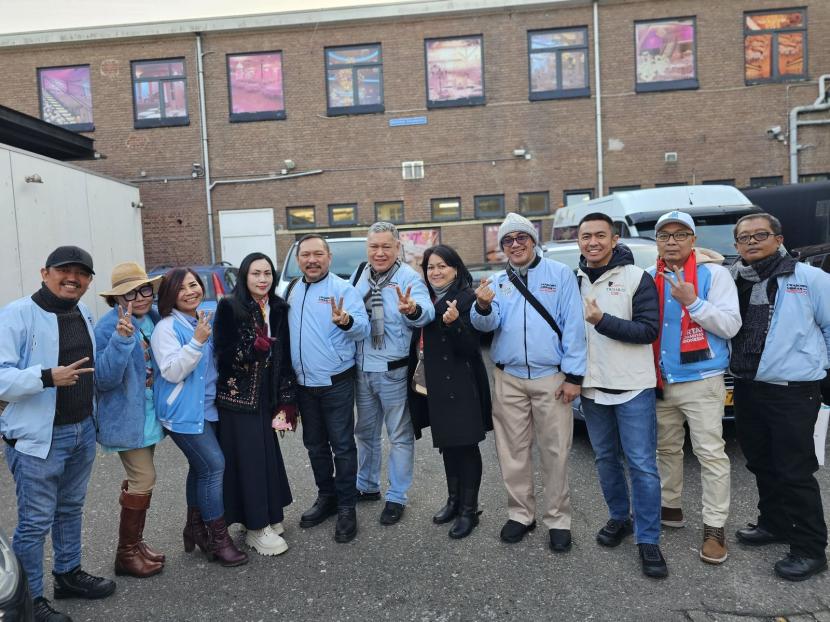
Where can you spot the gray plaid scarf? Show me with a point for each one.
(374, 302)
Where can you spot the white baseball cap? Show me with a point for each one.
(679, 217)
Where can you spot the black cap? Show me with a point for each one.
(65, 255)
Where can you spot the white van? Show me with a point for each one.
(715, 210)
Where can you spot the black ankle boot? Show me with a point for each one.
(79, 584)
(450, 510)
(467, 518)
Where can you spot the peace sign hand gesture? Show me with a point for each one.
(124, 327)
(484, 294)
(68, 375)
(451, 314)
(339, 315)
(682, 291)
(203, 327)
(406, 304)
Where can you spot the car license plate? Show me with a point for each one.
(728, 400)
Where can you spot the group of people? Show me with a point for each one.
(645, 350)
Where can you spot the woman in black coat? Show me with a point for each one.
(457, 401)
(255, 383)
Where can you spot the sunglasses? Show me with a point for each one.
(145, 291)
(508, 241)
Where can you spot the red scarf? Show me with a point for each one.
(693, 343)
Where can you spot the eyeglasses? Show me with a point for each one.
(145, 291)
(758, 237)
(679, 236)
(508, 241)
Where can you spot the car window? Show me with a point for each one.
(210, 290)
(231, 275)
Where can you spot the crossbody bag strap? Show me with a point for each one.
(534, 302)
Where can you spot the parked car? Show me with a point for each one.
(346, 255)
(219, 280)
(568, 253)
(15, 599)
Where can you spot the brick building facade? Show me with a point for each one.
(716, 123)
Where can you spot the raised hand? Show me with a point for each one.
(484, 294)
(124, 327)
(203, 327)
(338, 314)
(451, 314)
(67, 375)
(682, 291)
(406, 304)
(593, 314)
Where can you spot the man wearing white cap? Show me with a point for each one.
(698, 315)
(539, 350)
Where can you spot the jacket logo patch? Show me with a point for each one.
(796, 288)
(614, 290)
(325, 300)
(506, 289)
(547, 288)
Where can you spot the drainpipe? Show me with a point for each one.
(205, 152)
(822, 103)
(598, 87)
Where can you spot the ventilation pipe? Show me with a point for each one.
(822, 103)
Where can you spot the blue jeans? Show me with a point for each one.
(328, 436)
(50, 494)
(381, 397)
(207, 468)
(631, 429)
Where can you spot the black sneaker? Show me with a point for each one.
(79, 584)
(43, 612)
(392, 513)
(513, 531)
(654, 564)
(614, 532)
(797, 568)
(368, 496)
(323, 508)
(346, 528)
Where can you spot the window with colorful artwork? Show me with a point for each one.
(489, 206)
(354, 79)
(775, 46)
(300, 217)
(666, 54)
(66, 97)
(343, 214)
(389, 211)
(446, 209)
(534, 203)
(159, 92)
(454, 71)
(255, 89)
(558, 63)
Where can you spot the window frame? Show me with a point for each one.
(264, 115)
(479, 197)
(348, 223)
(776, 75)
(396, 221)
(73, 127)
(577, 192)
(624, 188)
(454, 103)
(288, 223)
(719, 182)
(778, 180)
(667, 85)
(161, 121)
(444, 219)
(334, 111)
(545, 193)
(559, 93)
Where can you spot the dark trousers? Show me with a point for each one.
(328, 435)
(775, 430)
(463, 465)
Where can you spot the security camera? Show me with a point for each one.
(774, 131)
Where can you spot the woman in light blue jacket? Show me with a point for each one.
(126, 417)
(184, 392)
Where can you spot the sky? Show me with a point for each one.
(38, 15)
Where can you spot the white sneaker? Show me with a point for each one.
(265, 541)
(278, 529)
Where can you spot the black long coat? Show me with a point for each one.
(457, 405)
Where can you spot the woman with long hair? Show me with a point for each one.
(256, 383)
(184, 392)
(449, 389)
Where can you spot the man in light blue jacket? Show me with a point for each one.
(539, 349)
(47, 346)
(397, 302)
(779, 358)
(326, 319)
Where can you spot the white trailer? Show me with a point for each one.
(45, 203)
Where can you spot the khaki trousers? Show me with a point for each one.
(141, 473)
(524, 409)
(700, 404)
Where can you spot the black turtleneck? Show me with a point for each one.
(73, 404)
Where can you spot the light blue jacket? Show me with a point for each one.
(29, 343)
(524, 343)
(397, 328)
(319, 348)
(798, 341)
(120, 375)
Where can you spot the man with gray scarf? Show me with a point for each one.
(397, 301)
(779, 358)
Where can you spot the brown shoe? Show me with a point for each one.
(672, 517)
(713, 550)
(128, 557)
(221, 546)
(194, 533)
(146, 550)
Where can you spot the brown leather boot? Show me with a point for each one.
(128, 557)
(221, 545)
(195, 532)
(146, 550)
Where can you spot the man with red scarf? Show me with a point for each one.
(699, 313)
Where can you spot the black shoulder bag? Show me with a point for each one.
(534, 302)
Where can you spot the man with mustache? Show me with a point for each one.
(47, 346)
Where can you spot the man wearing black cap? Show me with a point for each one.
(46, 363)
